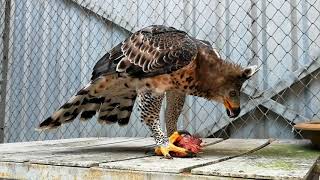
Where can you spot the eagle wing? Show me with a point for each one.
(151, 51)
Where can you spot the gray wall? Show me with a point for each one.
(54, 45)
(2, 4)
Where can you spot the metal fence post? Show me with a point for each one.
(4, 70)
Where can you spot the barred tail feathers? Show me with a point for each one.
(118, 109)
(70, 110)
(111, 110)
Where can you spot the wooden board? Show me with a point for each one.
(81, 152)
(93, 156)
(10, 170)
(13, 146)
(280, 159)
(56, 144)
(211, 154)
(310, 126)
(85, 153)
(126, 158)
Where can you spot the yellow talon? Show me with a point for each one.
(165, 151)
(174, 137)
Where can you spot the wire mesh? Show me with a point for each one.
(53, 46)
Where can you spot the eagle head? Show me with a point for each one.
(221, 81)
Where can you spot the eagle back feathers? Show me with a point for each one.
(151, 51)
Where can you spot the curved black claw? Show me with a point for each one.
(168, 156)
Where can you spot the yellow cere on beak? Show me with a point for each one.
(229, 105)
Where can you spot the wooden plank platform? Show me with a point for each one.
(281, 159)
(130, 158)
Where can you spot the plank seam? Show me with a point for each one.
(84, 146)
(188, 169)
(151, 153)
(212, 143)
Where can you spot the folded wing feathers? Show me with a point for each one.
(148, 52)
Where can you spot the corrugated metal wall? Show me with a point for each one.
(54, 44)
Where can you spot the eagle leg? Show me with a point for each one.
(150, 105)
(175, 102)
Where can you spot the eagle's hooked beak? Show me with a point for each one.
(232, 109)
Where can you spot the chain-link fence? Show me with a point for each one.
(48, 49)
